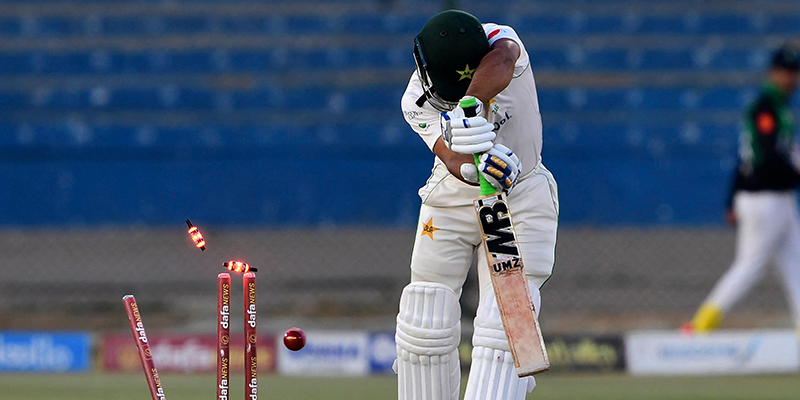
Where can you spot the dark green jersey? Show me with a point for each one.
(765, 144)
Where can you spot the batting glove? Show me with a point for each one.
(466, 135)
(500, 166)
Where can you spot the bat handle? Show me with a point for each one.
(470, 107)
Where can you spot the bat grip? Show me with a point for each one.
(470, 107)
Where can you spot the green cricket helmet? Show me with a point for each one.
(447, 51)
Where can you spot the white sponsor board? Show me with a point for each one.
(331, 353)
(717, 353)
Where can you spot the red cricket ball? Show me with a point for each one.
(294, 339)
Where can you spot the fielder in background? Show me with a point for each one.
(763, 201)
(457, 57)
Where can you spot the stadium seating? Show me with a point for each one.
(646, 82)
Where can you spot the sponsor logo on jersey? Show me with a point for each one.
(499, 124)
(412, 114)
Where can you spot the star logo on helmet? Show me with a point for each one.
(466, 73)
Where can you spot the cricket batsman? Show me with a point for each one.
(459, 57)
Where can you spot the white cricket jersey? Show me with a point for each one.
(514, 113)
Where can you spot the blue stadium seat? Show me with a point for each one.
(552, 100)
(723, 98)
(306, 24)
(185, 25)
(55, 26)
(248, 24)
(661, 24)
(16, 62)
(607, 59)
(137, 99)
(544, 25)
(125, 62)
(548, 59)
(261, 98)
(733, 59)
(309, 98)
(9, 26)
(658, 99)
(123, 26)
(198, 99)
(369, 98)
(115, 136)
(784, 24)
(604, 100)
(66, 63)
(667, 59)
(12, 99)
(603, 24)
(194, 61)
(64, 99)
(726, 25)
(252, 60)
(364, 24)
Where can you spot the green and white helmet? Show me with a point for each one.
(447, 51)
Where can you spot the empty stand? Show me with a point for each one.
(645, 84)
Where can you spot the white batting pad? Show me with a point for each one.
(492, 375)
(427, 336)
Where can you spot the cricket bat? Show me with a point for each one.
(508, 276)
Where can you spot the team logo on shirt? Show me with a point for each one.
(466, 73)
(493, 107)
(765, 123)
(428, 228)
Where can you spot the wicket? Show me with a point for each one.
(223, 339)
(250, 336)
(223, 336)
(139, 335)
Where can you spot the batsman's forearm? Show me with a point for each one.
(495, 71)
(452, 160)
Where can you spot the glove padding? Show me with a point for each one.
(500, 166)
(466, 135)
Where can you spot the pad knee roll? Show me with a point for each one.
(427, 336)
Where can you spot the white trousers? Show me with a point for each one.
(443, 252)
(768, 232)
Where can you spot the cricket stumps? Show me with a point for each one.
(139, 335)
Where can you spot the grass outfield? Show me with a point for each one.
(551, 386)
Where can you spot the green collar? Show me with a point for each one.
(772, 90)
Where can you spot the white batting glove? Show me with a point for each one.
(500, 166)
(466, 135)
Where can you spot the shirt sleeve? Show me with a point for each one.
(496, 32)
(423, 120)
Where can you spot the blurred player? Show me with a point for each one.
(457, 56)
(763, 203)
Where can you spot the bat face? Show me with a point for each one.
(511, 286)
(496, 225)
